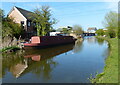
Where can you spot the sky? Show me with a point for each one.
(86, 14)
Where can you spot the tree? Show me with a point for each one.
(77, 29)
(10, 28)
(65, 30)
(111, 33)
(119, 25)
(100, 32)
(43, 19)
(1, 14)
(111, 23)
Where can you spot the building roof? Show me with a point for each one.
(25, 13)
(92, 28)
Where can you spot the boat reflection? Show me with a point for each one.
(33, 57)
(36, 61)
(41, 54)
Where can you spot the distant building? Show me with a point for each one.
(91, 30)
(54, 33)
(105, 29)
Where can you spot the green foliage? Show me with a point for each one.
(1, 14)
(111, 23)
(111, 33)
(10, 48)
(10, 28)
(118, 26)
(100, 32)
(77, 29)
(119, 32)
(43, 19)
(65, 30)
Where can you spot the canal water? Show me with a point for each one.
(71, 63)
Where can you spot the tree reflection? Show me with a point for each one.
(78, 45)
(91, 39)
(39, 62)
(10, 60)
(0, 66)
(100, 41)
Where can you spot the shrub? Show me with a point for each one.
(100, 32)
(111, 33)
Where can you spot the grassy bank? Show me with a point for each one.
(12, 48)
(110, 73)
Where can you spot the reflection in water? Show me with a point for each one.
(56, 64)
(33, 57)
(0, 67)
(48, 52)
(100, 41)
(91, 39)
(78, 46)
(17, 69)
(10, 62)
(25, 62)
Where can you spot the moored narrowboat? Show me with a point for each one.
(41, 41)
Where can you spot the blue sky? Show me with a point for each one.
(86, 14)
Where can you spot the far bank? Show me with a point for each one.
(110, 73)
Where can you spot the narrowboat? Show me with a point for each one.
(43, 41)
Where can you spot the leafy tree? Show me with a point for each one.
(52, 30)
(100, 32)
(77, 29)
(43, 19)
(111, 33)
(66, 30)
(111, 23)
(119, 25)
(1, 14)
(10, 28)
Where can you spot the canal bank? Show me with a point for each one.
(110, 73)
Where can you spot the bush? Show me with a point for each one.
(10, 28)
(100, 32)
(111, 33)
(119, 33)
(13, 48)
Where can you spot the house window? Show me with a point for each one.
(22, 24)
(29, 23)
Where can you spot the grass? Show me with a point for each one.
(110, 73)
(9, 48)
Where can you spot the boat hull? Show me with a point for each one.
(44, 41)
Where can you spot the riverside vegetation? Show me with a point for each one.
(112, 35)
(110, 73)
